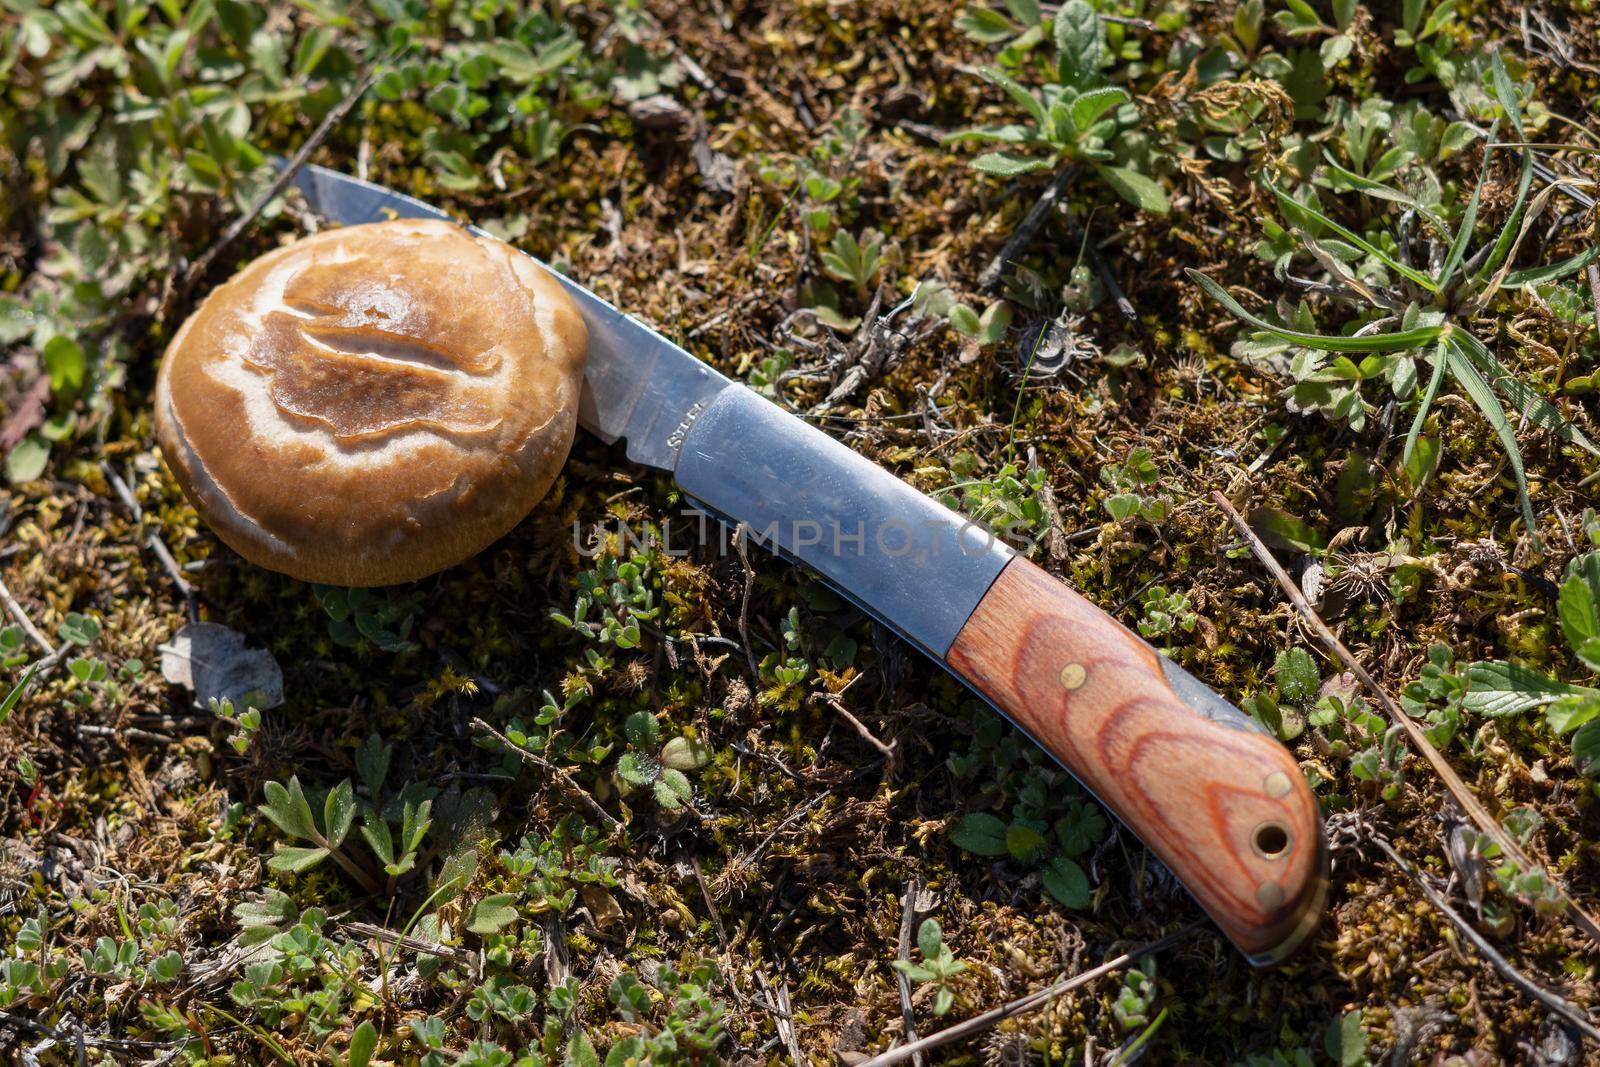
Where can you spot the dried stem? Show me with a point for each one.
(568, 784)
(1561, 1006)
(1023, 1005)
(1419, 740)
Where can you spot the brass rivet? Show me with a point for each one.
(1277, 785)
(1073, 676)
(1270, 896)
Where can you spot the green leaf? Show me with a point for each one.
(1570, 712)
(1579, 604)
(296, 860)
(1142, 192)
(1297, 674)
(1507, 95)
(1283, 530)
(63, 360)
(685, 754)
(363, 1043)
(930, 938)
(980, 833)
(27, 459)
(1079, 43)
(1377, 342)
(338, 813)
(1553, 272)
(1523, 396)
(642, 729)
(1024, 842)
(1422, 461)
(77, 629)
(1586, 750)
(1497, 688)
(372, 764)
(1437, 360)
(1019, 94)
(1345, 1042)
(1065, 881)
(492, 913)
(635, 769)
(1009, 164)
(1469, 219)
(1479, 392)
(288, 809)
(1293, 209)
(580, 1050)
(17, 690)
(1096, 102)
(672, 789)
(206, 171)
(375, 829)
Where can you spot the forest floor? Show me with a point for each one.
(794, 791)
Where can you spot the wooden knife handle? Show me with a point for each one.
(1224, 807)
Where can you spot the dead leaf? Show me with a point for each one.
(211, 660)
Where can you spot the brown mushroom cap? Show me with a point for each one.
(373, 404)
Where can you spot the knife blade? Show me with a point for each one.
(1219, 801)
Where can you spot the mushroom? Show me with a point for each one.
(372, 404)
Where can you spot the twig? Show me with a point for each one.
(23, 621)
(567, 782)
(1562, 1007)
(170, 565)
(281, 182)
(722, 931)
(28, 1026)
(132, 733)
(833, 701)
(1025, 232)
(1452, 781)
(908, 915)
(1023, 1005)
(154, 541)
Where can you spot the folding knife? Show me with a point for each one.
(1214, 796)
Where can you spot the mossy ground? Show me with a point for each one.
(790, 867)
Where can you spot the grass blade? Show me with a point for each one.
(1478, 391)
(1428, 395)
(1292, 206)
(1535, 408)
(1378, 342)
(1382, 192)
(16, 693)
(1507, 95)
(1469, 219)
(1552, 272)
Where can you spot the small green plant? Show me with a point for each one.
(1131, 482)
(383, 617)
(244, 724)
(663, 771)
(1009, 501)
(393, 825)
(939, 965)
(1166, 612)
(1283, 709)
(855, 260)
(1409, 320)
(1074, 117)
(1500, 689)
(621, 594)
(691, 1031)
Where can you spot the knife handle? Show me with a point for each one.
(1224, 807)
